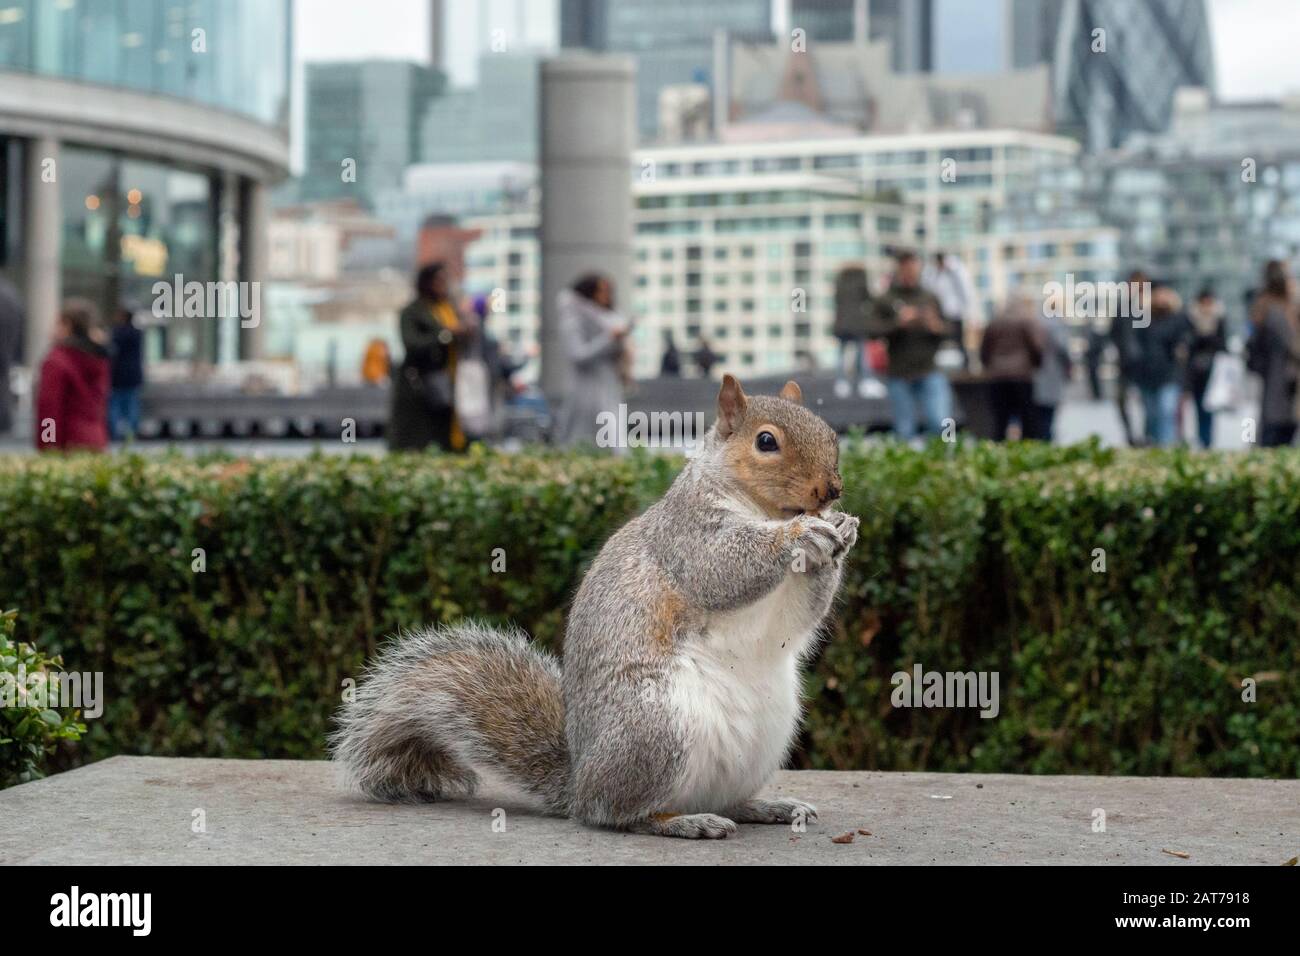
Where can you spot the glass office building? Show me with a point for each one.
(1208, 202)
(137, 138)
(369, 111)
(1118, 65)
(232, 54)
(672, 40)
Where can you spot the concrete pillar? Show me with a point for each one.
(227, 228)
(254, 255)
(42, 247)
(587, 134)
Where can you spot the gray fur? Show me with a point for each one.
(439, 703)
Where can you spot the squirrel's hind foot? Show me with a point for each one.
(774, 811)
(687, 826)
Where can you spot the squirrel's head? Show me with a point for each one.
(784, 457)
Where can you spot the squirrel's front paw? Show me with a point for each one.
(846, 527)
(817, 544)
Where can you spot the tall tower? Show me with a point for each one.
(1119, 62)
(672, 41)
(437, 37)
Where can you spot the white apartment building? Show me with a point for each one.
(740, 241)
(747, 264)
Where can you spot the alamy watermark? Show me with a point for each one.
(638, 429)
(132, 911)
(1091, 300)
(208, 300)
(51, 690)
(937, 689)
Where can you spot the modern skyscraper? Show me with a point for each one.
(1115, 63)
(496, 120)
(672, 40)
(491, 26)
(909, 27)
(437, 35)
(1118, 64)
(369, 112)
(1034, 25)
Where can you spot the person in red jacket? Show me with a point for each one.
(72, 401)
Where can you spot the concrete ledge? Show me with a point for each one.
(131, 810)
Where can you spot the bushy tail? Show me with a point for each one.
(439, 704)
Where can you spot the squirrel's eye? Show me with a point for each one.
(766, 441)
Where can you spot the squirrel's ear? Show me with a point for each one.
(791, 392)
(731, 405)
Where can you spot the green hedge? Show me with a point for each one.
(971, 557)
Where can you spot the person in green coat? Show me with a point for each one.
(908, 318)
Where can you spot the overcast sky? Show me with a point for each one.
(1256, 42)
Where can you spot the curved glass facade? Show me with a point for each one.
(129, 222)
(231, 54)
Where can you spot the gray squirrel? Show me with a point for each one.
(679, 695)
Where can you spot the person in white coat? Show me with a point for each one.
(595, 340)
(948, 280)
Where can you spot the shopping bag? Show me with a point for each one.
(474, 397)
(1223, 391)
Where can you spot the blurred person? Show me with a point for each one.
(670, 366)
(1208, 338)
(1098, 339)
(595, 339)
(127, 378)
(947, 277)
(1157, 357)
(907, 317)
(332, 363)
(12, 324)
(1011, 353)
(704, 357)
(72, 397)
(501, 366)
(1051, 378)
(1273, 352)
(1122, 337)
(434, 337)
(852, 302)
(376, 364)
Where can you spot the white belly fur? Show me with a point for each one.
(735, 692)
